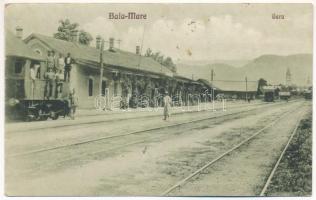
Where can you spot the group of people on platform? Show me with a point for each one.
(58, 72)
(59, 64)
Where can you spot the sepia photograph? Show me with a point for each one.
(158, 100)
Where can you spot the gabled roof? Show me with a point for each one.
(16, 47)
(117, 58)
(235, 86)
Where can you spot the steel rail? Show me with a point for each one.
(266, 185)
(130, 133)
(183, 181)
(111, 149)
(121, 119)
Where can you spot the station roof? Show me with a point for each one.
(269, 88)
(116, 58)
(16, 47)
(232, 86)
(186, 79)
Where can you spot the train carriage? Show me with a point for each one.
(25, 97)
(308, 93)
(284, 95)
(269, 93)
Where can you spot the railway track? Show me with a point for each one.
(131, 133)
(266, 185)
(75, 126)
(207, 165)
(82, 156)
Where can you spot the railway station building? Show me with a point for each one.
(127, 76)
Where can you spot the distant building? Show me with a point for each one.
(234, 89)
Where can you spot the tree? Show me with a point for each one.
(160, 59)
(149, 52)
(155, 56)
(66, 30)
(169, 64)
(85, 37)
(262, 82)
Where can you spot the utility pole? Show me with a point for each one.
(246, 88)
(212, 75)
(101, 66)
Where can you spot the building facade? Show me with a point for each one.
(127, 77)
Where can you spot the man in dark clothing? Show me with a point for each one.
(68, 62)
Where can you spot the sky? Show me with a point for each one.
(182, 31)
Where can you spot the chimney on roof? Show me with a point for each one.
(19, 32)
(98, 42)
(75, 36)
(137, 50)
(111, 41)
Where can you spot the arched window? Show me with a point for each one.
(38, 51)
(90, 87)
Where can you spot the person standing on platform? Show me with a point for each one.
(73, 103)
(61, 63)
(50, 61)
(167, 106)
(59, 84)
(37, 68)
(55, 61)
(68, 62)
(33, 78)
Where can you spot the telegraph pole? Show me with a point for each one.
(212, 75)
(246, 88)
(101, 66)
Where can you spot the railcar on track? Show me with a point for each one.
(308, 93)
(269, 93)
(284, 95)
(26, 98)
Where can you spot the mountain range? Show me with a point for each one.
(269, 67)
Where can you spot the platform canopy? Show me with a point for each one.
(232, 86)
